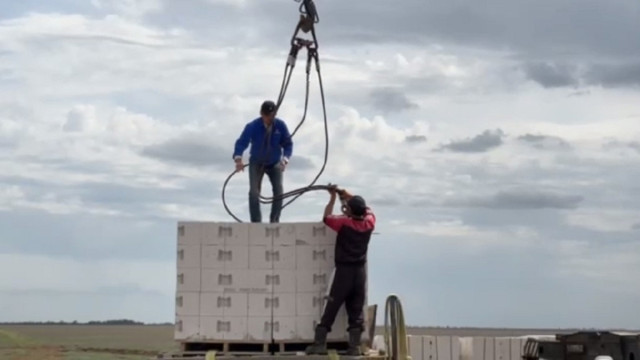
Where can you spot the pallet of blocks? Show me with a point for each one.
(254, 287)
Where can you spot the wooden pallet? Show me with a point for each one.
(200, 355)
(278, 347)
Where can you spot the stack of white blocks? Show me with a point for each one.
(465, 348)
(249, 282)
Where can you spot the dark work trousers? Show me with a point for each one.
(348, 288)
(256, 174)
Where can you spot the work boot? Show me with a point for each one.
(354, 342)
(319, 346)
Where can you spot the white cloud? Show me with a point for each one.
(132, 8)
(603, 219)
(81, 118)
(469, 238)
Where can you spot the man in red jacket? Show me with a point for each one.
(349, 283)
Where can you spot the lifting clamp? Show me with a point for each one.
(343, 195)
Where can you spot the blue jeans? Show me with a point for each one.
(256, 174)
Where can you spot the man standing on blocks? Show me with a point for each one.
(349, 282)
(271, 149)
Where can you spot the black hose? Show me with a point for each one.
(312, 55)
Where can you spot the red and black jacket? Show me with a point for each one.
(353, 237)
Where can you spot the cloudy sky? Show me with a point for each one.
(497, 141)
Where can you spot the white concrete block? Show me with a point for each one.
(284, 234)
(278, 304)
(309, 304)
(455, 348)
(213, 256)
(188, 256)
(259, 328)
(188, 280)
(489, 348)
(306, 327)
(473, 348)
(187, 328)
(234, 234)
(284, 327)
(429, 351)
(415, 347)
(516, 348)
(313, 280)
(502, 348)
(238, 328)
(212, 304)
(236, 304)
(188, 303)
(213, 233)
(236, 257)
(216, 280)
(304, 256)
(314, 233)
(309, 257)
(466, 348)
(272, 281)
(261, 281)
(283, 257)
(284, 281)
(443, 348)
(260, 257)
(262, 328)
(261, 234)
(272, 234)
(224, 328)
(224, 304)
(189, 233)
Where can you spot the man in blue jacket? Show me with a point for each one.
(271, 149)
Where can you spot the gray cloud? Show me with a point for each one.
(614, 75)
(389, 99)
(189, 150)
(415, 138)
(520, 26)
(635, 145)
(579, 93)
(636, 226)
(544, 141)
(554, 74)
(551, 75)
(301, 163)
(520, 199)
(486, 141)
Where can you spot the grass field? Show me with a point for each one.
(131, 342)
(84, 342)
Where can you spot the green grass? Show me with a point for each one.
(87, 342)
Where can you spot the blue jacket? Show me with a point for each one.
(268, 153)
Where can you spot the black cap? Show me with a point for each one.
(268, 107)
(357, 205)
